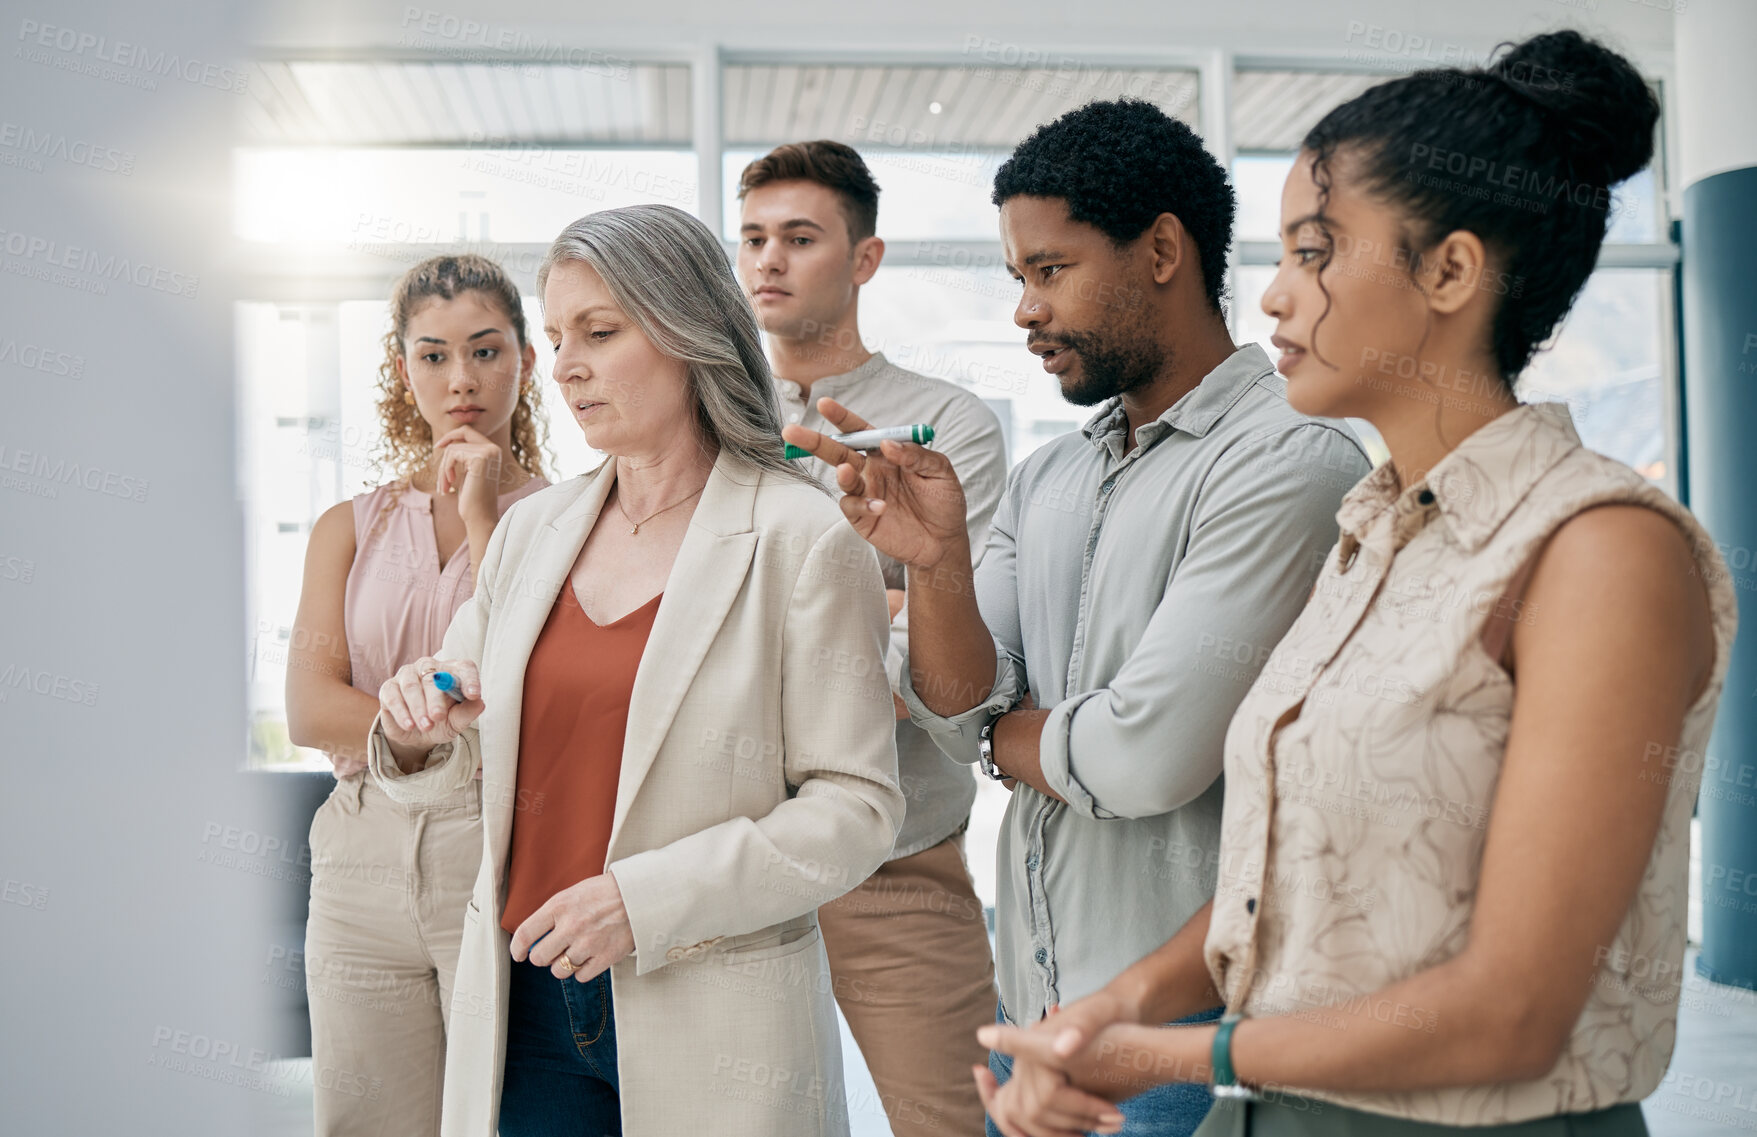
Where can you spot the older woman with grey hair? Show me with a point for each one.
(671, 678)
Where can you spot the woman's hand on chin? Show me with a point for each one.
(469, 468)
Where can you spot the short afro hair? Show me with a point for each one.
(1121, 164)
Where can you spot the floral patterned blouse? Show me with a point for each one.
(1361, 767)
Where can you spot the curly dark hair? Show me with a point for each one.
(1119, 165)
(1523, 153)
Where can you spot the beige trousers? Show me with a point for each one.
(913, 973)
(389, 885)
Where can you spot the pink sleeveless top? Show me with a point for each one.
(399, 598)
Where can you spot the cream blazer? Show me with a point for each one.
(759, 781)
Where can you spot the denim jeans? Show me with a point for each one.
(560, 1078)
(1171, 1110)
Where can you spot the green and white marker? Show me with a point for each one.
(920, 432)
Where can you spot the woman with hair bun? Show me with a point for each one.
(384, 574)
(1455, 844)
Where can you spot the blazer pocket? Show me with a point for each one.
(471, 912)
(790, 942)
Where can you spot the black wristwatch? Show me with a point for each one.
(985, 750)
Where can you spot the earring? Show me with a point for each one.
(408, 396)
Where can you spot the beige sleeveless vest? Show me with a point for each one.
(1352, 837)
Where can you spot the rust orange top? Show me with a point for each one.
(577, 687)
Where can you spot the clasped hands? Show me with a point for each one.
(1070, 1068)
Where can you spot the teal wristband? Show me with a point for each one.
(1220, 1057)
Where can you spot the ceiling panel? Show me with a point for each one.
(441, 103)
(1273, 110)
(991, 107)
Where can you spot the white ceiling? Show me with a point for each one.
(1272, 110)
(401, 102)
(979, 106)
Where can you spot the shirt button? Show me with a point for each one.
(1426, 497)
(1042, 955)
(794, 417)
(1251, 905)
(1031, 862)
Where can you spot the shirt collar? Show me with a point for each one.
(830, 384)
(1478, 485)
(1196, 413)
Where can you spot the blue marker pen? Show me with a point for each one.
(447, 682)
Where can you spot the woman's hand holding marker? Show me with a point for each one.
(449, 685)
(417, 713)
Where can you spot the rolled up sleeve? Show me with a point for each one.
(1152, 740)
(451, 765)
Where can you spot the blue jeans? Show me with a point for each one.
(560, 1078)
(1171, 1110)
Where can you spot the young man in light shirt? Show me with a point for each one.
(908, 949)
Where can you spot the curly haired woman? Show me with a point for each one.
(384, 573)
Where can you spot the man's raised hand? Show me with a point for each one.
(903, 498)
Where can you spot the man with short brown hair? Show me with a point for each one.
(908, 949)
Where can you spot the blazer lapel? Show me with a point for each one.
(524, 607)
(705, 579)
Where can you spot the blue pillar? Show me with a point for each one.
(1720, 393)
(1716, 91)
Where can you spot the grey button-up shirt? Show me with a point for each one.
(939, 791)
(1136, 595)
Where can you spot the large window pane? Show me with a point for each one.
(1608, 365)
(370, 199)
(1607, 362)
(1256, 181)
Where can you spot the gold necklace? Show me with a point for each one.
(635, 526)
